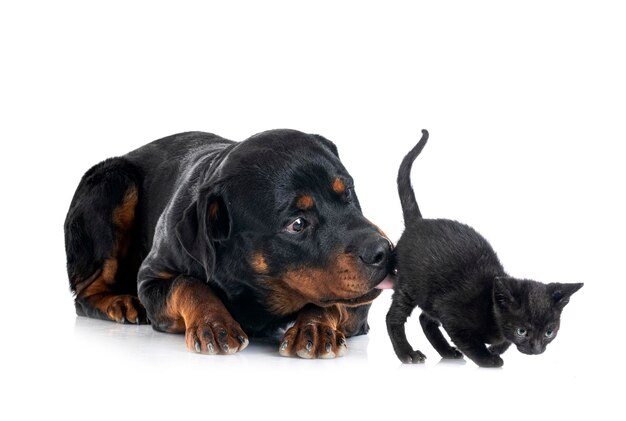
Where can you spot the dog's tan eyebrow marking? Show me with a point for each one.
(304, 202)
(338, 186)
(165, 275)
(259, 264)
(214, 210)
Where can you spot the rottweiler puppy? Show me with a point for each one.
(224, 240)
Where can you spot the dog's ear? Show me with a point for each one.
(327, 144)
(205, 221)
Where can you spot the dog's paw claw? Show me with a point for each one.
(215, 337)
(313, 340)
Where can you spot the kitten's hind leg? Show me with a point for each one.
(396, 318)
(431, 329)
(499, 349)
(472, 347)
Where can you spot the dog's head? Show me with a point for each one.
(284, 220)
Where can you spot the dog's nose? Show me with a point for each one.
(376, 253)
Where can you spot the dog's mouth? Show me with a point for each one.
(387, 283)
(368, 297)
(350, 302)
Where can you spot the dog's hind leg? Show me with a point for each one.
(101, 254)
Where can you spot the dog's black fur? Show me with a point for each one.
(452, 273)
(218, 238)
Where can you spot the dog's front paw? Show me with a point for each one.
(313, 340)
(126, 309)
(215, 335)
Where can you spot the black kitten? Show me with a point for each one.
(452, 273)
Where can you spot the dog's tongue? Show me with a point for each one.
(387, 283)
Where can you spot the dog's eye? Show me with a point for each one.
(349, 194)
(297, 226)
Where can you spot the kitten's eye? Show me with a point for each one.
(549, 333)
(297, 226)
(521, 331)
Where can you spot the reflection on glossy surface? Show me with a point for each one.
(145, 344)
(76, 366)
(452, 362)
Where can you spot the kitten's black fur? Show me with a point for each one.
(454, 276)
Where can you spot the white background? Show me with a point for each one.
(525, 102)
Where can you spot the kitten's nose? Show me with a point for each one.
(537, 348)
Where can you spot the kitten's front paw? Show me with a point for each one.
(452, 354)
(493, 362)
(412, 357)
(499, 349)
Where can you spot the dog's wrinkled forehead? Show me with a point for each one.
(276, 145)
(278, 162)
(270, 170)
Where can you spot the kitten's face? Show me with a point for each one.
(530, 335)
(529, 312)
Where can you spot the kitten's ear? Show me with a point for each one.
(503, 292)
(561, 293)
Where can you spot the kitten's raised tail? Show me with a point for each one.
(410, 210)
